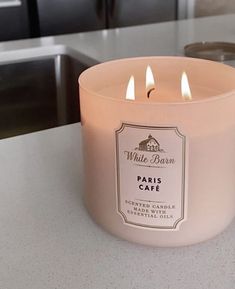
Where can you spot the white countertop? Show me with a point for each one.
(168, 38)
(47, 239)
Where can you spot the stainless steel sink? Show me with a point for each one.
(39, 93)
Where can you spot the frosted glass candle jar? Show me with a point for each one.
(159, 170)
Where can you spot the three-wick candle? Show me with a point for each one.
(159, 167)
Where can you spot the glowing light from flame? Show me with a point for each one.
(130, 92)
(150, 83)
(185, 88)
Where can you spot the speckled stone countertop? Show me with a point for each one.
(48, 241)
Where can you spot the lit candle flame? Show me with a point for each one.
(150, 83)
(130, 92)
(185, 89)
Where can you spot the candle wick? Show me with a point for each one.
(148, 93)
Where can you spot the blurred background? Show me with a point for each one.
(40, 92)
(34, 18)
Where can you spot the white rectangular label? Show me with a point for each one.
(151, 182)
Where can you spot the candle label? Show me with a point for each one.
(151, 176)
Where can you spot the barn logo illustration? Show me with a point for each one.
(149, 153)
(150, 145)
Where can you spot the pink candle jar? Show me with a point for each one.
(159, 162)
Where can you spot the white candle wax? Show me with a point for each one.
(183, 191)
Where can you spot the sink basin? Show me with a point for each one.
(39, 93)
